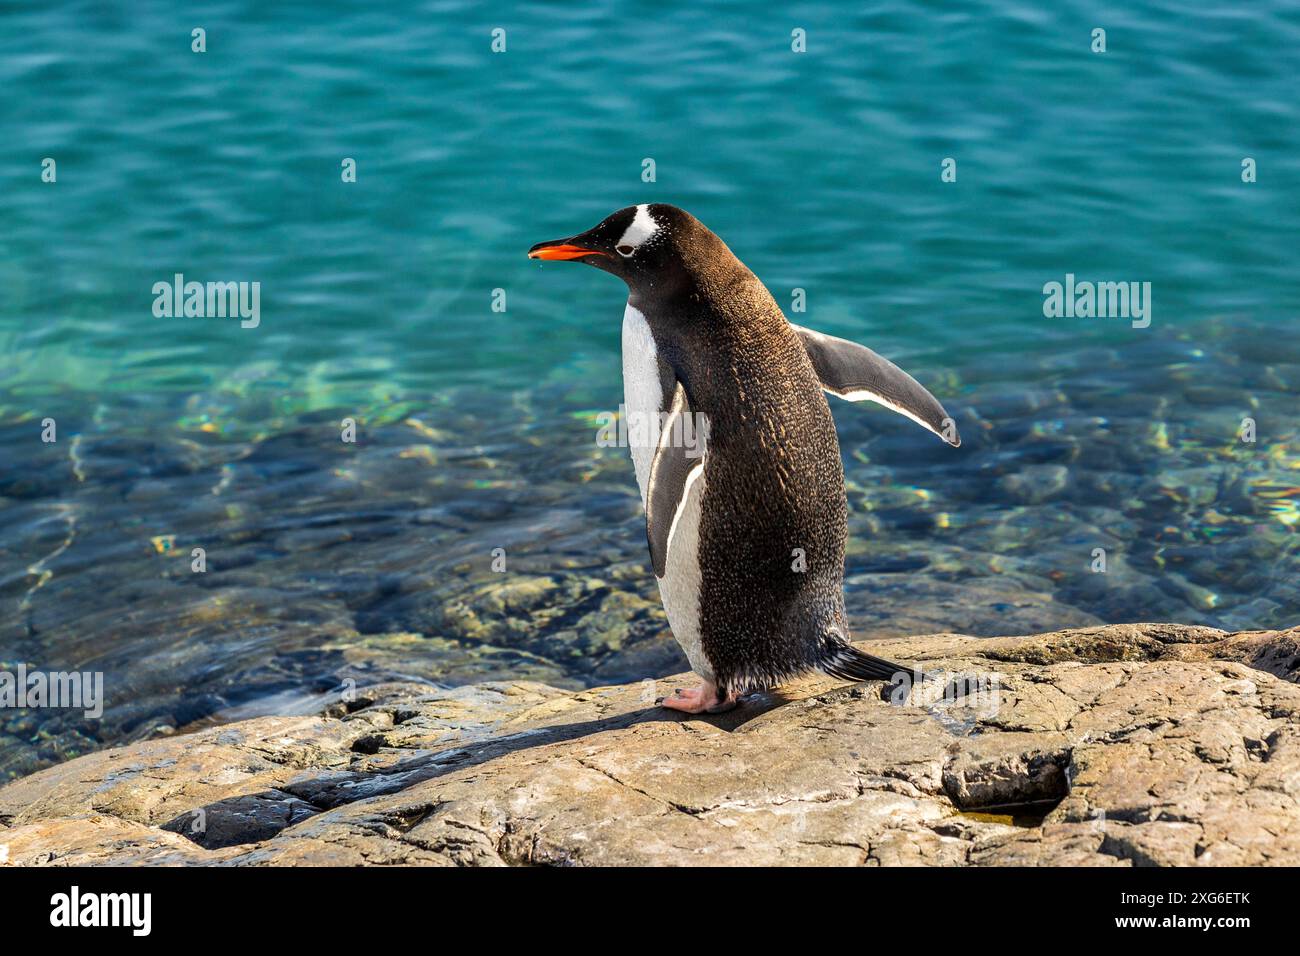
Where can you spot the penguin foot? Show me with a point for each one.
(703, 699)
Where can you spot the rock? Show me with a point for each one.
(895, 605)
(1134, 744)
(241, 820)
(1035, 483)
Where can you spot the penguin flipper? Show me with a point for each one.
(677, 463)
(856, 374)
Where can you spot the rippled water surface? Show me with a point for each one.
(329, 561)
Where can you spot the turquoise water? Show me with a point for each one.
(821, 170)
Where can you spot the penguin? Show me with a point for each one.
(736, 455)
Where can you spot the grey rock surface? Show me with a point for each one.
(1135, 744)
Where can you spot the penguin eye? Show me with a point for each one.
(625, 250)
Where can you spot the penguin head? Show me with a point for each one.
(647, 246)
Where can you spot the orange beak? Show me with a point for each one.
(565, 251)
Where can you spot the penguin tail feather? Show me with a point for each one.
(848, 663)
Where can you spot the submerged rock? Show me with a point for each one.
(326, 561)
(1122, 745)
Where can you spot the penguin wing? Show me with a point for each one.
(678, 462)
(856, 374)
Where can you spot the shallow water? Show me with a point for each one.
(329, 561)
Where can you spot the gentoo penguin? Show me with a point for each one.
(746, 528)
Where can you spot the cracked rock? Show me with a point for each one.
(1109, 746)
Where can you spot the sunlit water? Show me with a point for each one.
(328, 561)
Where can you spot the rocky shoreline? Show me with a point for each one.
(1133, 744)
(329, 562)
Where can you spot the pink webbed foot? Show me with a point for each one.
(700, 700)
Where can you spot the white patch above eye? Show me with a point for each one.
(642, 228)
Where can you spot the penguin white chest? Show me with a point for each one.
(642, 393)
(643, 405)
